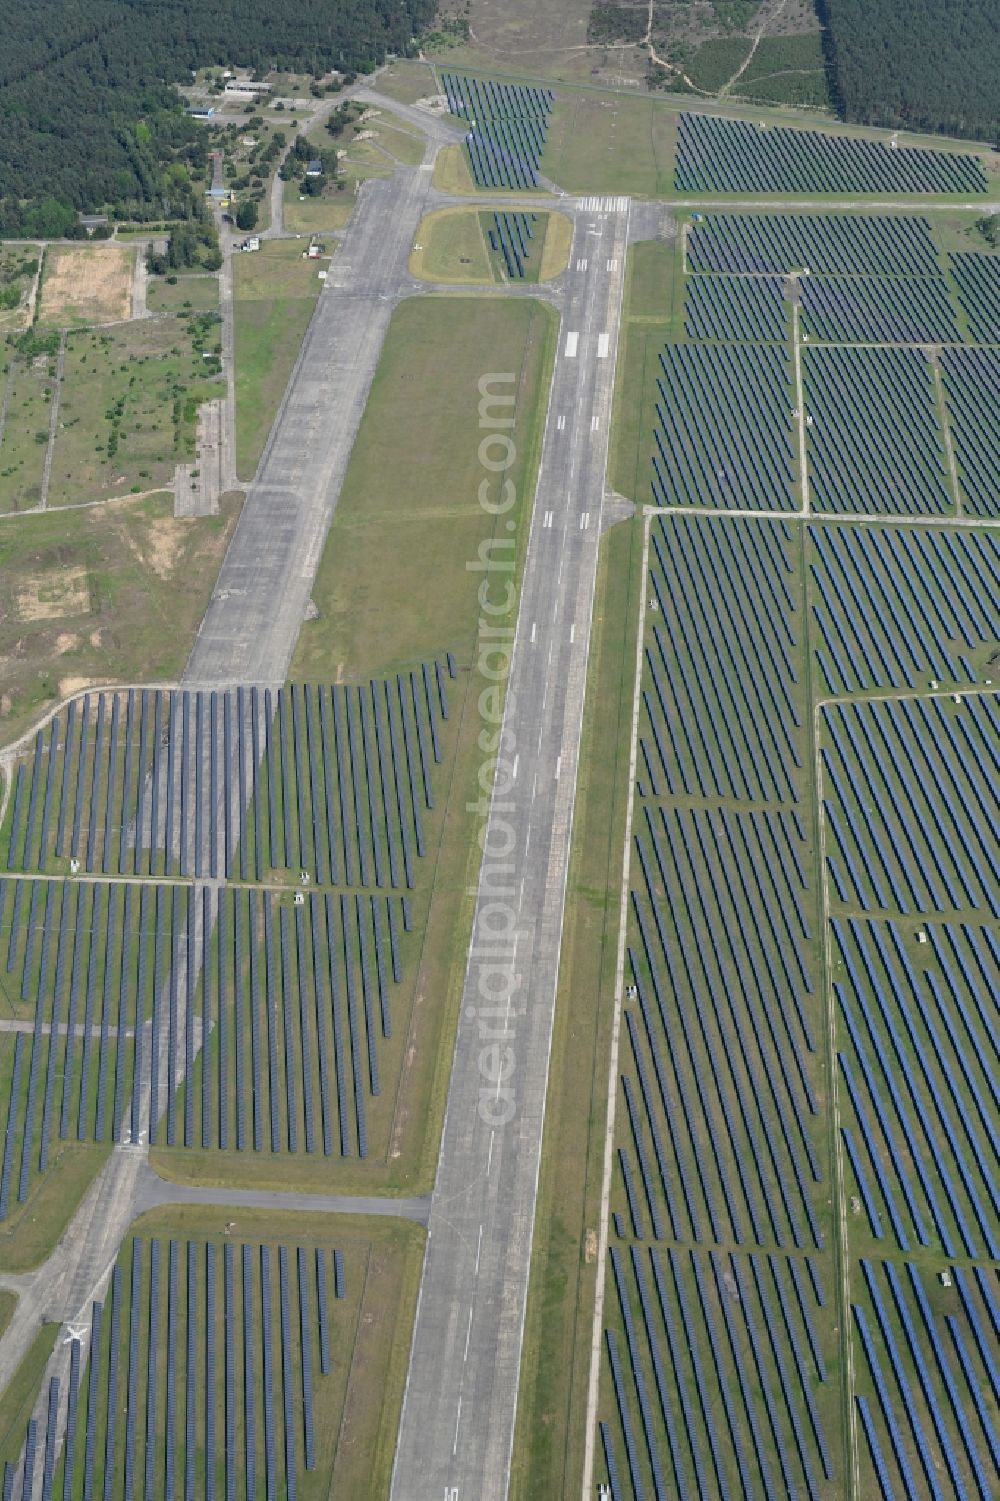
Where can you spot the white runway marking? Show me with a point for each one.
(534, 627)
(603, 346)
(581, 265)
(572, 633)
(479, 1248)
(595, 423)
(572, 344)
(558, 766)
(560, 424)
(547, 519)
(458, 1419)
(468, 1337)
(584, 521)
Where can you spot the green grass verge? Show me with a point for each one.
(8, 1302)
(19, 1398)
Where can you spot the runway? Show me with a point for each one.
(457, 1425)
(252, 623)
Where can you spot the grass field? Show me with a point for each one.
(275, 291)
(198, 293)
(608, 143)
(29, 390)
(408, 81)
(404, 144)
(34, 1227)
(451, 171)
(92, 596)
(454, 248)
(309, 216)
(128, 405)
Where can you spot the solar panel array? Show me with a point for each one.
(201, 1377)
(162, 782)
(897, 606)
(509, 123)
(720, 1345)
(295, 1000)
(971, 380)
(978, 280)
(928, 1354)
(721, 154)
(724, 427)
(736, 309)
(878, 310)
(874, 436)
(913, 1017)
(716, 1359)
(838, 244)
(912, 826)
(512, 239)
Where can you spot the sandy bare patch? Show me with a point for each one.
(64, 642)
(68, 686)
(158, 544)
(51, 595)
(590, 1247)
(92, 284)
(164, 541)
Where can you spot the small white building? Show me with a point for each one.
(247, 87)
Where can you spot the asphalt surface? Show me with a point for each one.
(252, 623)
(154, 1192)
(457, 1424)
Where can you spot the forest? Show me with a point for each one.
(88, 117)
(923, 64)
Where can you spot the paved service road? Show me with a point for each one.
(458, 1416)
(252, 623)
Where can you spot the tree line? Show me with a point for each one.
(89, 119)
(917, 64)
